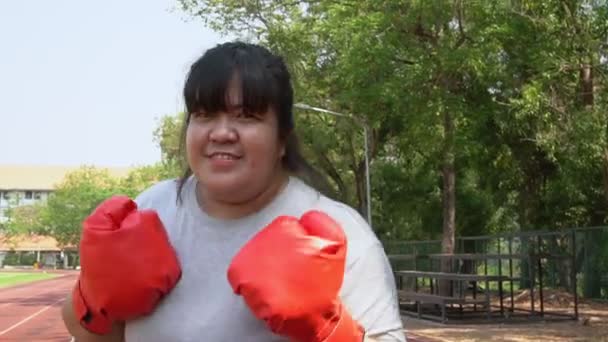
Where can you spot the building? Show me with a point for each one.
(33, 248)
(25, 185)
(28, 184)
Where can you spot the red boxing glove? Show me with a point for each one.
(127, 265)
(290, 275)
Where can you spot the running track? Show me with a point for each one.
(32, 312)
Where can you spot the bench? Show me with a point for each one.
(401, 257)
(443, 301)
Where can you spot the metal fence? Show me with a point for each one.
(564, 259)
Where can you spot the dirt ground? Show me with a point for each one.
(591, 326)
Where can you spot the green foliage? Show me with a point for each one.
(74, 199)
(167, 135)
(141, 178)
(528, 144)
(13, 258)
(25, 219)
(511, 95)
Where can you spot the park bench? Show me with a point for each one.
(469, 263)
(401, 257)
(443, 301)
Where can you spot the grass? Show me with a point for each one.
(15, 278)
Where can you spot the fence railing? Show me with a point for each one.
(576, 257)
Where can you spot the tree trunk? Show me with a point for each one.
(448, 197)
(360, 180)
(591, 276)
(586, 84)
(528, 213)
(586, 89)
(605, 173)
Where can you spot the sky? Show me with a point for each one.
(86, 82)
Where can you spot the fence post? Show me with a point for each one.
(573, 274)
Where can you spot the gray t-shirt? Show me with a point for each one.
(203, 307)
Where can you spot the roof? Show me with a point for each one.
(28, 243)
(40, 177)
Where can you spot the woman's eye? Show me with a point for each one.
(200, 115)
(246, 115)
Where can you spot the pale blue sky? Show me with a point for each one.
(84, 82)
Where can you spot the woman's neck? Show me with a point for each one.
(223, 209)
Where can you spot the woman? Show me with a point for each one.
(244, 171)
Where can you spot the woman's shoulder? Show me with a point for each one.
(359, 233)
(352, 221)
(158, 195)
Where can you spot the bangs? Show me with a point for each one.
(209, 81)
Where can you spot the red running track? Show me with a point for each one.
(32, 312)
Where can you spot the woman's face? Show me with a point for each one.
(235, 155)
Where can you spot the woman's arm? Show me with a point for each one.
(370, 293)
(80, 334)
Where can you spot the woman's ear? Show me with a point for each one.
(286, 140)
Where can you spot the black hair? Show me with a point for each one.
(265, 82)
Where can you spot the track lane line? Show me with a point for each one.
(25, 320)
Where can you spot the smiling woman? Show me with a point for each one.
(238, 134)
(261, 254)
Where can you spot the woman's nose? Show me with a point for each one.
(223, 130)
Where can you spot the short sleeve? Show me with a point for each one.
(157, 196)
(369, 292)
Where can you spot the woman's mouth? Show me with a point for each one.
(223, 160)
(223, 156)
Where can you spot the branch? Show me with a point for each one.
(529, 17)
(404, 61)
(258, 14)
(328, 166)
(463, 35)
(423, 34)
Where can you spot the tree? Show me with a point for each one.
(25, 220)
(168, 135)
(74, 199)
(363, 59)
(141, 178)
(485, 116)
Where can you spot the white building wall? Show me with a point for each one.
(13, 198)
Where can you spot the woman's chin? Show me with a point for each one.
(226, 186)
